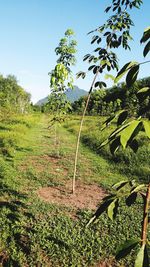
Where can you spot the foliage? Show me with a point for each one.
(66, 50)
(125, 162)
(13, 98)
(126, 132)
(57, 102)
(129, 192)
(61, 77)
(107, 101)
(113, 34)
(125, 135)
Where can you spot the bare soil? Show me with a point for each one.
(86, 195)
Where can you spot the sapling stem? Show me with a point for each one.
(80, 130)
(145, 216)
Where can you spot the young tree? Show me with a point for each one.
(125, 135)
(111, 35)
(61, 79)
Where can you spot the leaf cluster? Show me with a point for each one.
(66, 50)
(126, 191)
(61, 76)
(113, 34)
(119, 5)
(126, 132)
(123, 190)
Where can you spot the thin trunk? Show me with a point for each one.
(79, 133)
(55, 140)
(145, 216)
(57, 143)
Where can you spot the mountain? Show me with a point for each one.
(72, 95)
(75, 94)
(42, 101)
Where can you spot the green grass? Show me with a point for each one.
(36, 233)
(125, 162)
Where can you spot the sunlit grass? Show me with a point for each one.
(34, 232)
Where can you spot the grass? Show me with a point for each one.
(125, 162)
(36, 233)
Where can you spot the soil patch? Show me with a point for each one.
(39, 163)
(86, 195)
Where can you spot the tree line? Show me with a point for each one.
(106, 101)
(13, 98)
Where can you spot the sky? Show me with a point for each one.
(30, 31)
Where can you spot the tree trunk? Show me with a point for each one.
(79, 133)
(145, 216)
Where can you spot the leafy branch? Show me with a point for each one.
(125, 135)
(113, 34)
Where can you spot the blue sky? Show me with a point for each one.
(31, 29)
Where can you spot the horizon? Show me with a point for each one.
(107, 88)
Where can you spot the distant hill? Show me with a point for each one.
(42, 101)
(72, 95)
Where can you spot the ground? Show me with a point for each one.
(86, 196)
(42, 223)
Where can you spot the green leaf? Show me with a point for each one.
(119, 185)
(146, 49)
(110, 119)
(115, 145)
(132, 75)
(146, 256)
(146, 35)
(107, 9)
(109, 76)
(143, 93)
(100, 84)
(118, 130)
(96, 69)
(105, 142)
(104, 205)
(91, 67)
(147, 128)
(81, 74)
(134, 145)
(138, 188)
(103, 62)
(94, 38)
(97, 49)
(122, 117)
(86, 57)
(125, 248)
(124, 70)
(144, 90)
(131, 199)
(140, 257)
(127, 133)
(99, 40)
(111, 209)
